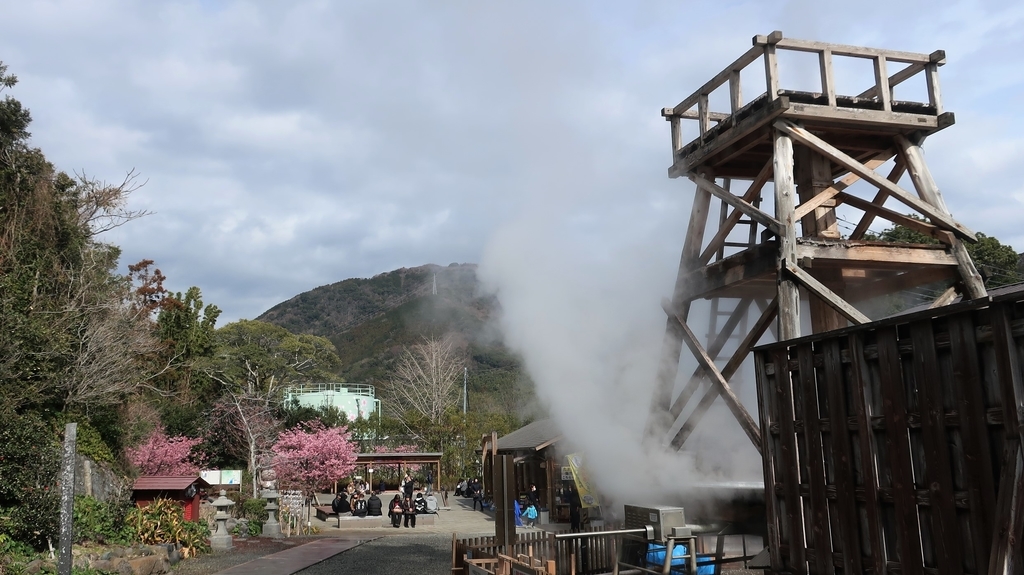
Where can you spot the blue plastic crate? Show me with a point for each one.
(656, 559)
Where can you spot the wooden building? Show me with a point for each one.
(534, 449)
(183, 489)
(755, 268)
(895, 447)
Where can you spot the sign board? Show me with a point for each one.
(211, 476)
(230, 477)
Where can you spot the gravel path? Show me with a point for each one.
(427, 554)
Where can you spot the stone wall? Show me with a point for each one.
(98, 480)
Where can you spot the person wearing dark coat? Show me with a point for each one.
(383, 486)
(395, 511)
(573, 498)
(409, 487)
(409, 511)
(340, 504)
(374, 506)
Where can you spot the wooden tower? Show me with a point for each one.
(756, 265)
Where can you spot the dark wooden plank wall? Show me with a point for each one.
(885, 446)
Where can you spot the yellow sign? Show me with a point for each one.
(588, 497)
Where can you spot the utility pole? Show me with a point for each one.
(465, 397)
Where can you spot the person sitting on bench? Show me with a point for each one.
(359, 506)
(395, 511)
(340, 504)
(374, 505)
(420, 504)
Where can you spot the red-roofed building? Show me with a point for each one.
(181, 488)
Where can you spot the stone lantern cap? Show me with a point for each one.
(222, 503)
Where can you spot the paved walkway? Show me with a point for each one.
(458, 518)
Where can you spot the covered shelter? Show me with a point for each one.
(183, 489)
(402, 460)
(533, 448)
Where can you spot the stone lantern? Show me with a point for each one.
(268, 478)
(221, 540)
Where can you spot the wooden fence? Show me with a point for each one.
(572, 556)
(895, 447)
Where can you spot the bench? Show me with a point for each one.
(347, 521)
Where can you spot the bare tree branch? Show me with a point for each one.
(425, 379)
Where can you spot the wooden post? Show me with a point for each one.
(660, 420)
(785, 204)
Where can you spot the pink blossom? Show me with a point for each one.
(311, 456)
(162, 455)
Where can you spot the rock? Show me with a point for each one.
(125, 568)
(107, 556)
(143, 565)
(116, 552)
(174, 557)
(34, 567)
(157, 550)
(105, 565)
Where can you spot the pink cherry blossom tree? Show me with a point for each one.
(312, 456)
(162, 455)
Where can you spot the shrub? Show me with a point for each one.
(101, 522)
(29, 464)
(255, 510)
(163, 521)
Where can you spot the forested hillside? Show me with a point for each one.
(371, 320)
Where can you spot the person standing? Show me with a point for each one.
(476, 491)
(408, 487)
(532, 500)
(409, 511)
(573, 498)
(430, 482)
(383, 486)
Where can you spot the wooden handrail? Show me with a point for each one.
(766, 48)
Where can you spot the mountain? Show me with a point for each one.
(370, 321)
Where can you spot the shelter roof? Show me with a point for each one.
(168, 482)
(535, 436)
(425, 457)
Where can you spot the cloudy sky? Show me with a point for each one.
(287, 145)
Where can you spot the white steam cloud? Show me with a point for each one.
(589, 327)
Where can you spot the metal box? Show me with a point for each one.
(660, 517)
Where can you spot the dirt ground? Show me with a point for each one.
(245, 550)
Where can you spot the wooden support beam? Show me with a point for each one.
(894, 217)
(828, 83)
(929, 191)
(931, 71)
(894, 176)
(880, 255)
(945, 298)
(753, 192)
(882, 84)
(731, 400)
(771, 71)
(838, 156)
(737, 203)
(735, 93)
(672, 344)
(731, 367)
(785, 202)
(828, 296)
(806, 207)
(713, 350)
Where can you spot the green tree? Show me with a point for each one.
(255, 362)
(996, 261)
